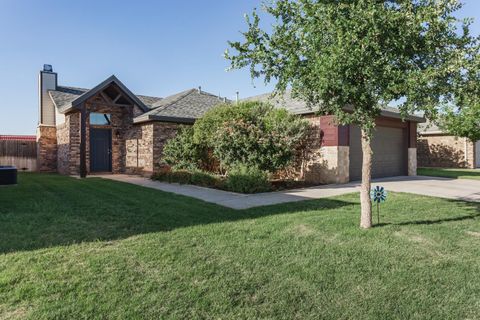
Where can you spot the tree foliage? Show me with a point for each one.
(348, 58)
(463, 118)
(358, 55)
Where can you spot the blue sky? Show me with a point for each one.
(155, 47)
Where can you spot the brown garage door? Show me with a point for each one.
(390, 153)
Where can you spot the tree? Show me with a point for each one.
(358, 54)
(463, 118)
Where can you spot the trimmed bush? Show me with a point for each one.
(182, 153)
(196, 177)
(247, 180)
(177, 176)
(205, 179)
(251, 133)
(259, 136)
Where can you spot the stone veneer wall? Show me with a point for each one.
(445, 151)
(324, 163)
(412, 161)
(68, 137)
(144, 146)
(333, 166)
(63, 140)
(46, 148)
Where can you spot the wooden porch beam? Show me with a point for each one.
(105, 97)
(83, 142)
(117, 97)
(110, 104)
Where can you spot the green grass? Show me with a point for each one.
(98, 249)
(450, 173)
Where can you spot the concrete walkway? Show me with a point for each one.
(460, 189)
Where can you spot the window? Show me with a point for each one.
(100, 119)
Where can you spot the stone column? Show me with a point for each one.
(412, 161)
(335, 165)
(331, 161)
(46, 148)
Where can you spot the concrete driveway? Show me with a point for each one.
(459, 189)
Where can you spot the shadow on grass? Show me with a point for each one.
(469, 206)
(47, 210)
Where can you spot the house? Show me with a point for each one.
(437, 148)
(110, 129)
(337, 154)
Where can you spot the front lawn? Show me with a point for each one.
(99, 249)
(450, 173)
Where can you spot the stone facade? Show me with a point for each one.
(324, 163)
(46, 148)
(438, 150)
(331, 167)
(412, 161)
(68, 138)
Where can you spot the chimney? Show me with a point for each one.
(47, 80)
(199, 89)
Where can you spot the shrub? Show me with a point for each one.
(268, 138)
(177, 176)
(196, 177)
(204, 179)
(251, 133)
(182, 153)
(247, 180)
(206, 127)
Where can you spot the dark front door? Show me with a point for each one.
(100, 150)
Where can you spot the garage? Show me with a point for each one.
(390, 152)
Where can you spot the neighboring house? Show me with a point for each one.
(439, 149)
(110, 129)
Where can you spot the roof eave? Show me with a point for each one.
(383, 113)
(150, 118)
(112, 79)
(390, 114)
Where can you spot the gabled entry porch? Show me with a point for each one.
(96, 124)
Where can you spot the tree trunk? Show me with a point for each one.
(366, 203)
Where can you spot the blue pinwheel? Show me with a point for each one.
(378, 195)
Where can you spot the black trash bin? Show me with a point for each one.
(8, 175)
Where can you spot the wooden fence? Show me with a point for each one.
(20, 153)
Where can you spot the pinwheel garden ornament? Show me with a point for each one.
(378, 195)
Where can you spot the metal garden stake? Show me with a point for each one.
(378, 195)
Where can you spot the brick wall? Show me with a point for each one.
(144, 146)
(445, 151)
